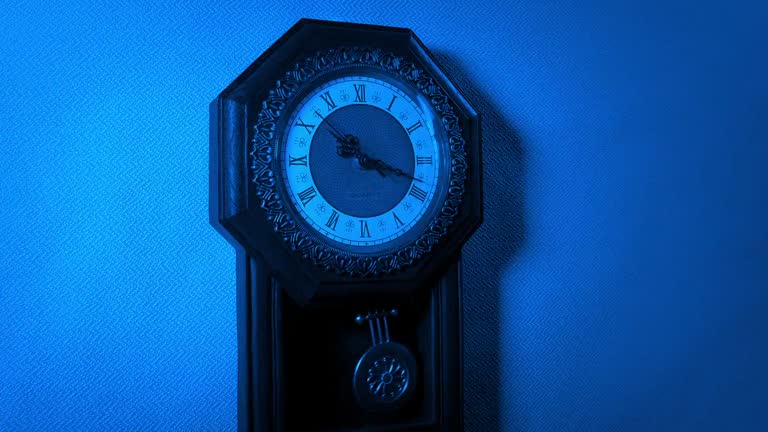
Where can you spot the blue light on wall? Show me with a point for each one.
(619, 283)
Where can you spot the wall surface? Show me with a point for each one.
(620, 282)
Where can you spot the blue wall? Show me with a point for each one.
(620, 282)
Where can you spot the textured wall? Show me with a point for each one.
(619, 282)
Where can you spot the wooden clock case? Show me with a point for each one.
(297, 338)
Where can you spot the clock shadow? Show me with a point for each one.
(495, 246)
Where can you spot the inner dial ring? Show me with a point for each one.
(338, 197)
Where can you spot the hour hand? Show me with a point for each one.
(348, 146)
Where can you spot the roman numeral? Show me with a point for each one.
(423, 160)
(364, 232)
(392, 102)
(414, 127)
(297, 161)
(359, 93)
(308, 127)
(398, 222)
(307, 194)
(417, 193)
(333, 220)
(328, 100)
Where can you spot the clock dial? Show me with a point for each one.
(360, 161)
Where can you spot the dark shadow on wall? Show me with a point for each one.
(492, 248)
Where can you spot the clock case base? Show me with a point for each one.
(295, 363)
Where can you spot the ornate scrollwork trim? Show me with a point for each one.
(265, 139)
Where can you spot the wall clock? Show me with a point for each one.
(345, 169)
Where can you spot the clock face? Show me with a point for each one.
(361, 160)
(358, 163)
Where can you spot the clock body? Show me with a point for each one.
(345, 170)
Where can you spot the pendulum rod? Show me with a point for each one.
(386, 329)
(373, 334)
(379, 331)
(378, 327)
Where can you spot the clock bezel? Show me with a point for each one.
(265, 135)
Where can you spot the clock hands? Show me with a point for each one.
(349, 146)
(382, 167)
(322, 117)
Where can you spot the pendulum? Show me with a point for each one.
(386, 373)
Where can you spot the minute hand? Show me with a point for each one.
(383, 167)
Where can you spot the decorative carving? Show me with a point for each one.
(387, 378)
(265, 139)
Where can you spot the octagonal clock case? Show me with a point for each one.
(345, 169)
